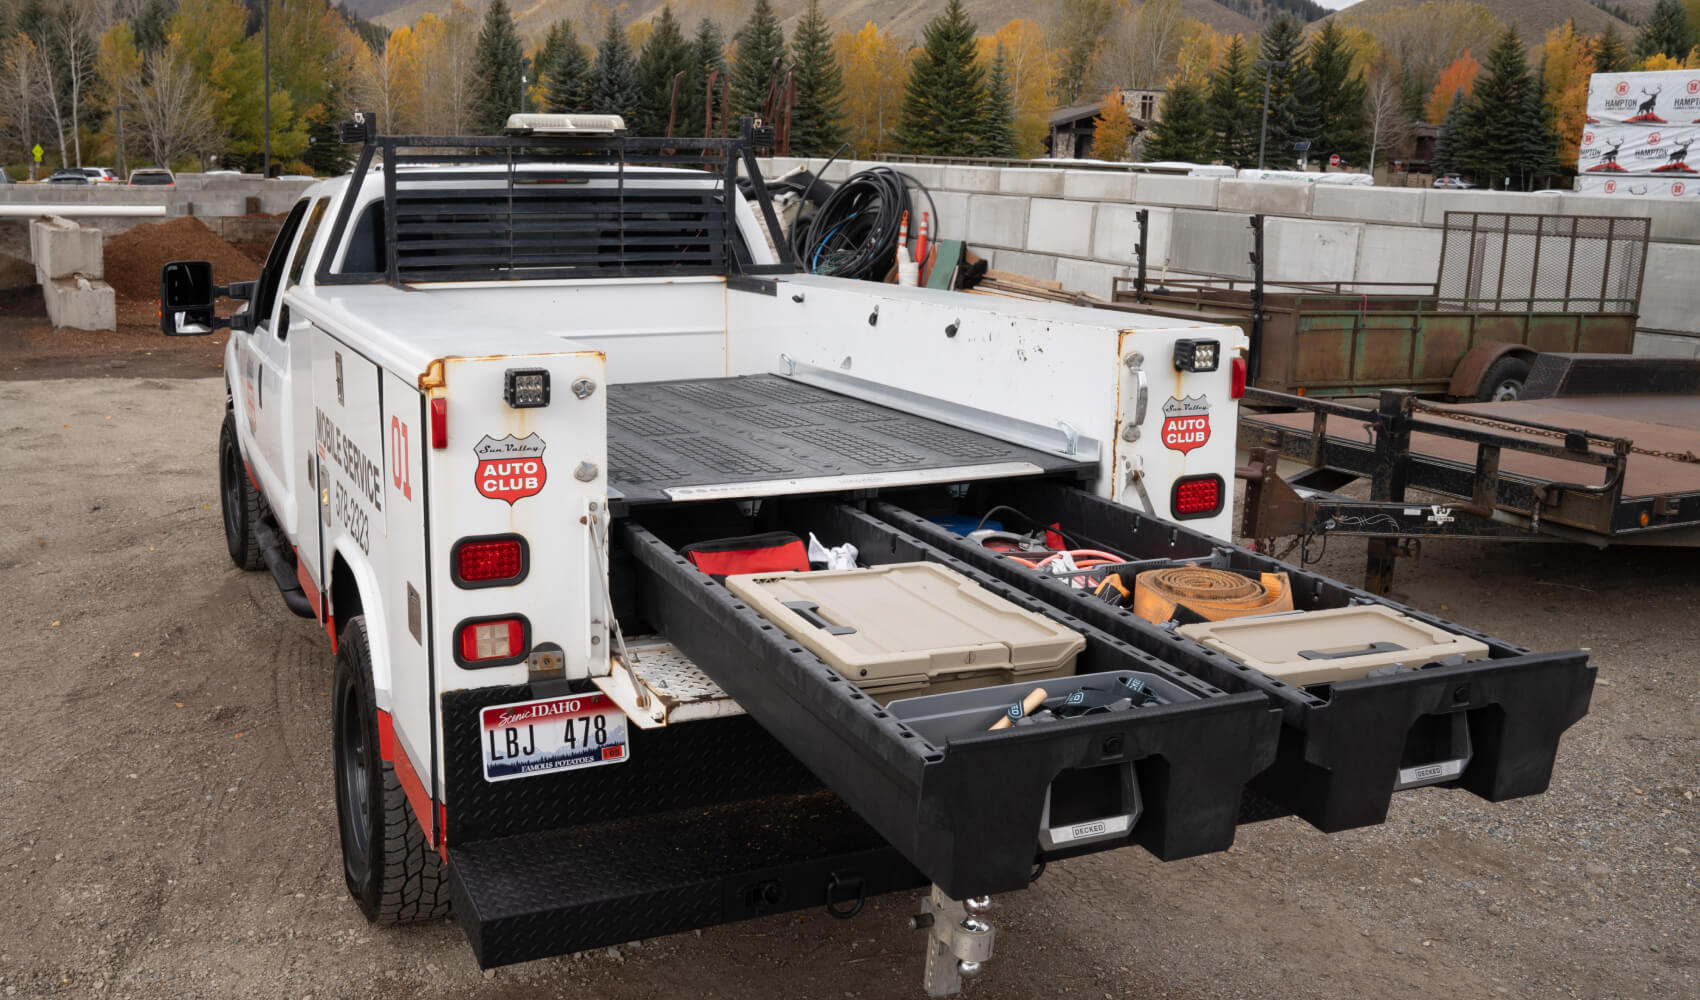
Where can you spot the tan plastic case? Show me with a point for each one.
(909, 628)
(1337, 644)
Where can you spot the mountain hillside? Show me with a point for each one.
(1532, 18)
(906, 18)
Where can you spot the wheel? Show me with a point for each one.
(1503, 381)
(392, 873)
(239, 500)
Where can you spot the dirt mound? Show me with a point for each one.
(134, 257)
(15, 272)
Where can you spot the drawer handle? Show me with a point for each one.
(1374, 647)
(809, 611)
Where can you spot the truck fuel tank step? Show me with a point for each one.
(535, 895)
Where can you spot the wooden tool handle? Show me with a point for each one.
(1028, 705)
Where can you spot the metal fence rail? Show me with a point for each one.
(1507, 262)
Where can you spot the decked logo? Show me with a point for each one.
(1186, 423)
(508, 468)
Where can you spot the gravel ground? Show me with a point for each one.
(166, 826)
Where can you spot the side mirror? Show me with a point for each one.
(186, 297)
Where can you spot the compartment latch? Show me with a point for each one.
(959, 940)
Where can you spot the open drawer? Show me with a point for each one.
(1489, 725)
(966, 810)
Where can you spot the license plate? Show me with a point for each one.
(554, 734)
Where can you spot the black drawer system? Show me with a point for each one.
(1345, 748)
(967, 811)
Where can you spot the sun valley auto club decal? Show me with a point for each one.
(1186, 423)
(510, 468)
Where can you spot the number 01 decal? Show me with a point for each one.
(401, 462)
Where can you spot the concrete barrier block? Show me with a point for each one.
(63, 248)
(1368, 204)
(1117, 231)
(273, 201)
(80, 304)
(211, 203)
(1670, 297)
(1303, 250)
(1267, 197)
(1040, 181)
(1667, 345)
(1171, 189)
(1210, 242)
(1438, 201)
(928, 175)
(1399, 253)
(1098, 185)
(1675, 220)
(972, 179)
(1055, 226)
(1090, 276)
(997, 221)
(952, 220)
(1032, 265)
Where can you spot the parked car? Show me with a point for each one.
(100, 175)
(1453, 181)
(152, 177)
(68, 175)
(4, 177)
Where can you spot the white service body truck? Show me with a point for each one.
(475, 406)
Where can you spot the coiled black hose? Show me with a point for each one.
(854, 234)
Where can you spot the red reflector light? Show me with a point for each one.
(1196, 496)
(491, 642)
(1236, 378)
(490, 562)
(439, 422)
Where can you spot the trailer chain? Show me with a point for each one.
(1506, 425)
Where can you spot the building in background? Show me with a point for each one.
(1073, 129)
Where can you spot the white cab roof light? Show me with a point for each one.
(566, 124)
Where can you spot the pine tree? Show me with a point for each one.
(566, 83)
(1445, 143)
(665, 54)
(1283, 42)
(1234, 108)
(1494, 137)
(1112, 129)
(613, 80)
(1666, 32)
(944, 100)
(325, 154)
(1611, 52)
(1537, 136)
(497, 69)
(1338, 96)
(1182, 131)
(1413, 93)
(543, 61)
(760, 42)
(817, 124)
(997, 135)
(708, 53)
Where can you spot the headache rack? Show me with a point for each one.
(560, 206)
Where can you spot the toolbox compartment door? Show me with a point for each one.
(1347, 747)
(966, 811)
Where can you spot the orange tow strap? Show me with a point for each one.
(1212, 594)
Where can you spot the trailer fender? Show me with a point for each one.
(353, 589)
(1467, 377)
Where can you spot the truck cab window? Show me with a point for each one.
(271, 276)
(366, 243)
(299, 265)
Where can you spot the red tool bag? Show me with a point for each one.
(772, 552)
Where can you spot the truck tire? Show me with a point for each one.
(1503, 380)
(392, 872)
(238, 499)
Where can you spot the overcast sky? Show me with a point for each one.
(1336, 4)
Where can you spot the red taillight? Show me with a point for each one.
(1196, 496)
(489, 562)
(439, 422)
(1236, 378)
(491, 642)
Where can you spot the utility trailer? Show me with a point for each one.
(490, 400)
(1509, 287)
(1600, 450)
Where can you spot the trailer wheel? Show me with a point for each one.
(238, 499)
(1503, 380)
(392, 873)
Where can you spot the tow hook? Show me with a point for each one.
(959, 940)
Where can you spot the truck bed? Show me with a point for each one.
(765, 435)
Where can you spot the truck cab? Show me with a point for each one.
(491, 401)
